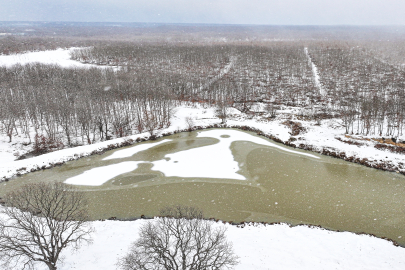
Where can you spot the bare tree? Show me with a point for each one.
(151, 123)
(271, 110)
(222, 111)
(181, 240)
(189, 123)
(40, 220)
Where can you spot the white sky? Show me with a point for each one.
(275, 12)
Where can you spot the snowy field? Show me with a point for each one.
(259, 247)
(59, 57)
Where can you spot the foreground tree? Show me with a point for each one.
(181, 240)
(40, 220)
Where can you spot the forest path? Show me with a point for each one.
(318, 84)
(221, 74)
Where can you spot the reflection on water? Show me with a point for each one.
(280, 186)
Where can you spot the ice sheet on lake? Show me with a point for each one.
(100, 175)
(128, 152)
(236, 135)
(213, 161)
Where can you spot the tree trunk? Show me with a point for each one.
(51, 266)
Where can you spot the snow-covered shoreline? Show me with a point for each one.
(327, 139)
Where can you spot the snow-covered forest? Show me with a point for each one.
(133, 83)
(86, 88)
(356, 81)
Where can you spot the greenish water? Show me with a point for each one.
(280, 186)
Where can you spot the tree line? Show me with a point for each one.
(82, 106)
(91, 104)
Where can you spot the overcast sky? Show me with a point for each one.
(274, 12)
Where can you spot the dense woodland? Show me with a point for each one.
(146, 74)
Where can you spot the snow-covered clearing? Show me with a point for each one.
(259, 246)
(59, 57)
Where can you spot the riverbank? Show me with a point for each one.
(326, 137)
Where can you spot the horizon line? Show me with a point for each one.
(214, 24)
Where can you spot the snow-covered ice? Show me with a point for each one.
(213, 161)
(100, 175)
(128, 152)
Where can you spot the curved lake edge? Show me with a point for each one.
(243, 224)
(384, 166)
(128, 141)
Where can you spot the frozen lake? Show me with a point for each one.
(235, 176)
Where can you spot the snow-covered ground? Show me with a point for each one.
(59, 57)
(260, 247)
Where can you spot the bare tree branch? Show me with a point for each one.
(39, 221)
(181, 240)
